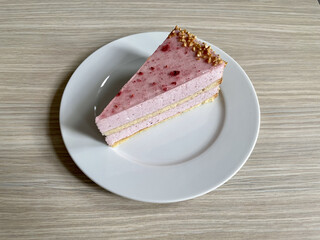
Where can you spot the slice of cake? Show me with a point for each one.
(181, 74)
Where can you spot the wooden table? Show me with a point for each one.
(43, 195)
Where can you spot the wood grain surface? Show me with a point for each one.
(43, 195)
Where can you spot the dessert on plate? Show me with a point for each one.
(181, 74)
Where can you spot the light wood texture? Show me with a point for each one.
(43, 195)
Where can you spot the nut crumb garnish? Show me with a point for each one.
(202, 50)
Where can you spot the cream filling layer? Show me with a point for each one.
(117, 129)
(117, 137)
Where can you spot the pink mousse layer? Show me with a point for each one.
(113, 138)
(170, 74)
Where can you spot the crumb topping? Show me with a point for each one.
(202, 50)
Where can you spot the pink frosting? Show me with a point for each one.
(159, 101)
(170, 74)
(113, 138)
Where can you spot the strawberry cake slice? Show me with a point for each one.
(181, 74)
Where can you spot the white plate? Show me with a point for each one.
(180, 159)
